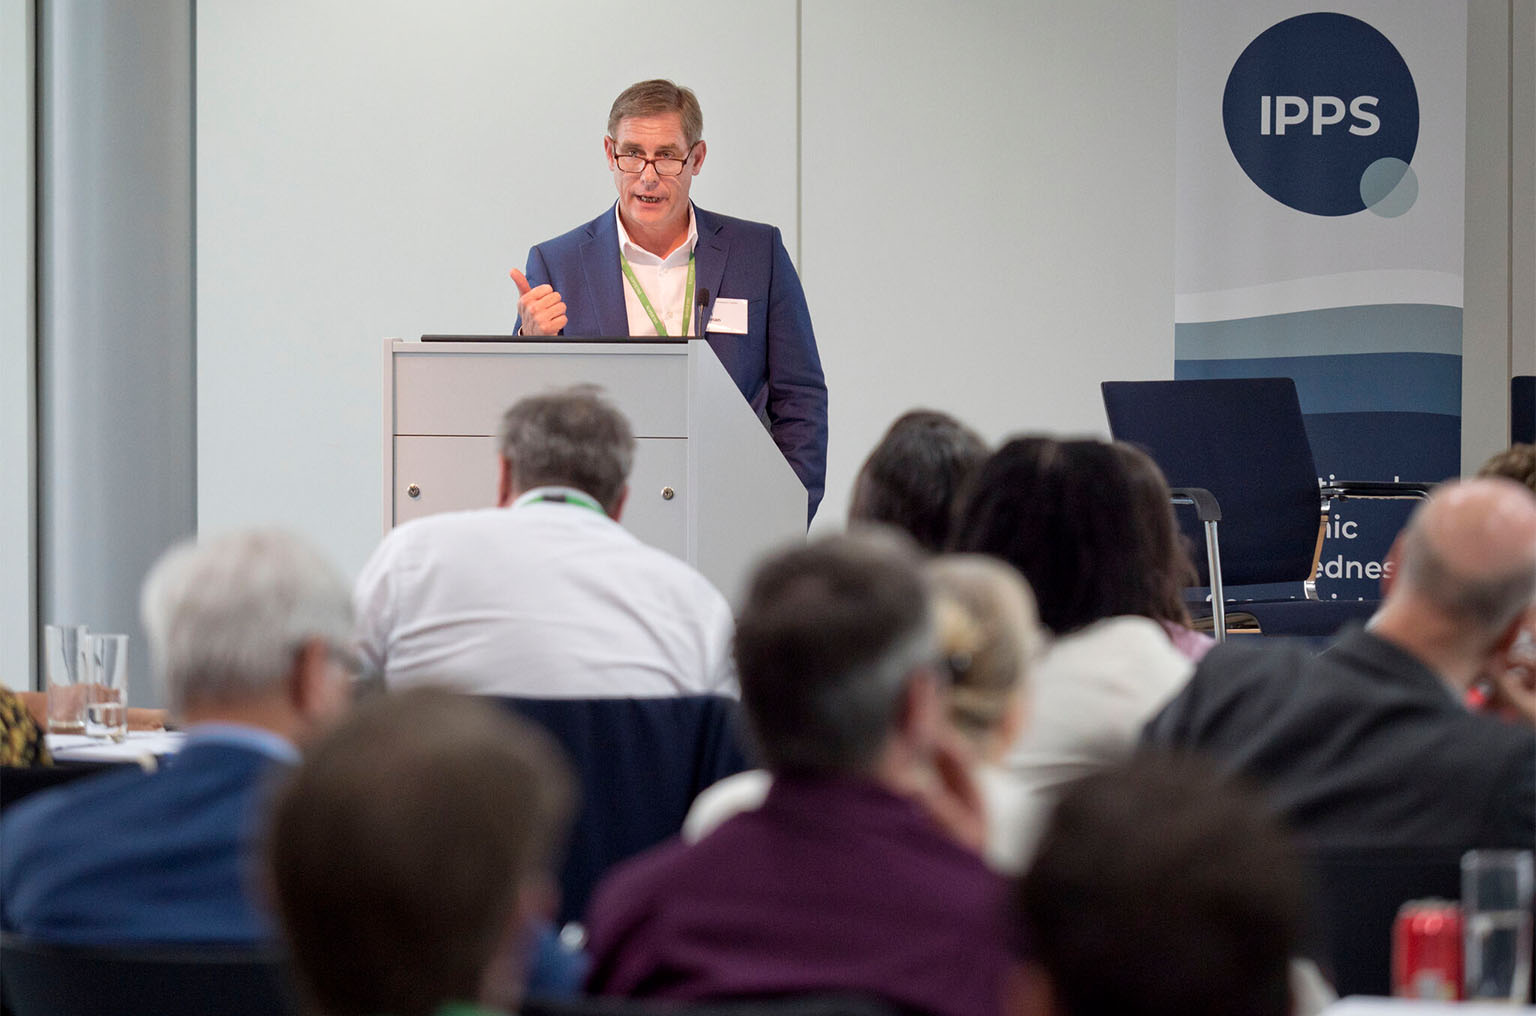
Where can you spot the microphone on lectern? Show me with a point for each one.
(701, 312)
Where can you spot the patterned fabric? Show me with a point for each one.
(23, 743)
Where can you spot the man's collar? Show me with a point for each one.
(630, 249)
(568, 495)
(241, 735)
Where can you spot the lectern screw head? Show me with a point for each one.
(414, 490)
(667, 493)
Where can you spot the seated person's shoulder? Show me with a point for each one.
(1243, 675)
(84, 803)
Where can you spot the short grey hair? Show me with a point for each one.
(573, 437)
(226, 617)
(826, 646)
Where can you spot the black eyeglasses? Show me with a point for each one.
(665, 166)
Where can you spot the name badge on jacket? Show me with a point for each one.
(728, 317)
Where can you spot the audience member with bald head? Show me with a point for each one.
(1371, 742)
(1509, 687)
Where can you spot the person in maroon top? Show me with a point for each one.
(860, 873)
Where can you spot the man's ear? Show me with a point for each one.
(1390, 568)
(311, 669)
(617, 508)
(921, 716)
(504, 483)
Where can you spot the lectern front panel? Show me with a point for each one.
(444, 474)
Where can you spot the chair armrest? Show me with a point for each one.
(1207, 509)
(1345, 489)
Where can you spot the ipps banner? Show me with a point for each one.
(1320, 219)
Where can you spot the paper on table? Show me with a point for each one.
(140, 743)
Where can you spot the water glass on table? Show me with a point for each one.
(106, 686)
(1496, 910)
(63, 645)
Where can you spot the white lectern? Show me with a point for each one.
(708, 485)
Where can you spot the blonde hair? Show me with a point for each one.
(989, 633)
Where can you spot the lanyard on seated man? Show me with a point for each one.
(634, 283)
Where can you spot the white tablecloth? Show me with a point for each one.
(140, 744)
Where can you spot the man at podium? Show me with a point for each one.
(643, 267)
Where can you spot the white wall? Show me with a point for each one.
(372, 169)
(988, 212)
(986, 215)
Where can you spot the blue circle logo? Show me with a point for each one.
(1322, 114)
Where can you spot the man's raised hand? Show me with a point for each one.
(541, 309)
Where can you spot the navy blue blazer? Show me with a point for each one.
(131, 856)
(775, 364)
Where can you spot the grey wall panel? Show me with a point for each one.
(1485, 344)
(18, 524)
(116, 353)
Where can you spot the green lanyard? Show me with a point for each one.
(634, 283)
(571, 498)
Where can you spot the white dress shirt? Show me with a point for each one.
(665, 281)
(540, 599)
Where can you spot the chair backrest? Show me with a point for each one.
(640, 762)
(1244, 440)
(1355, 894)
(55, 980)
(19, 782)
(787, 1005)
(1522, 409)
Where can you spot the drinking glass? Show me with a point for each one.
(62, 648)
(1496, 912)
(106, 686)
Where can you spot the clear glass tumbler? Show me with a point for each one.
(106, 686)
(62, 669)
(1496, 923)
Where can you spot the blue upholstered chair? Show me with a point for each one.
(1522, 409)
(1355, 893)
(56, 980)
(1238, 449)
(639, 762)
(787, 1005)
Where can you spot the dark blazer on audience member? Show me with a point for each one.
(133, 856)
(1360, 746)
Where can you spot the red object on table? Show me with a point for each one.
(1426, 950)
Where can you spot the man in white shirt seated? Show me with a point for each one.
(545, 595)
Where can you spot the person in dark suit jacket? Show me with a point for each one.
(249, 633)
(1372, 743)
(637, 268)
